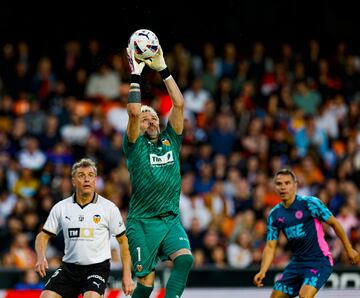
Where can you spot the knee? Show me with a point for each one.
(184, 262)
(148, 280)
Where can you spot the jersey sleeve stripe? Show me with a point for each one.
(48, 232)
(119, 235)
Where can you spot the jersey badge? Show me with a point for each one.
(166, 143)
(96, 218)
(139, 268)
(81, 217)
(299, 214)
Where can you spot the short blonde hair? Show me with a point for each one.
(145, 108)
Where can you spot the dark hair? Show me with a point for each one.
(285, 171)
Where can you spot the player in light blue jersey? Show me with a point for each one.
(300, 219)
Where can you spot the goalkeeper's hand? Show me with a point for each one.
(135, 66)
(157, 62)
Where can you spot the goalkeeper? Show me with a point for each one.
(153, 223)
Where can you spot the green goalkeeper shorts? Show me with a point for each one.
(151, 239)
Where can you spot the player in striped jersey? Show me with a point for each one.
(299, 218)
(153, 223)
(87, 221)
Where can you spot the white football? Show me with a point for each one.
(145, 43)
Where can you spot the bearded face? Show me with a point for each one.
(149, 125)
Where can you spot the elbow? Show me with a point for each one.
(178, 104)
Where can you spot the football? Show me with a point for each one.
(145, 44)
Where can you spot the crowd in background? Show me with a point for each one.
(248, 113)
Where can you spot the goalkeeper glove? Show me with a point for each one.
(135, 66)
(158, 63)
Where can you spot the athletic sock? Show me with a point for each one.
(142, 291)
(178, 277)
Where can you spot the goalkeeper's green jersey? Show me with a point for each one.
(154, 173)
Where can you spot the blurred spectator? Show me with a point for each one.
(76, 132)
(239, 252)
(7, 203)
(104, 84)
(196, 96)
(312, 137)
(30, 281)
(35, 118)
(22, 254)
(306, 99)
(31, 156)
(219, 258)
(44, 81)
(222, 137)
(27, 185)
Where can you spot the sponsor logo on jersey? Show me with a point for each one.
(81, 217)
(96, 218)
(295, 232)
(81, 233)
(161, 160)
(67, 217)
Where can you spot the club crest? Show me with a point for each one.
(96, 218)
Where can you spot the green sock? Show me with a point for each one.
(178, 277)
(142, 291)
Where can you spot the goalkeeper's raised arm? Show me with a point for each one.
(176, 117)
(134, 97)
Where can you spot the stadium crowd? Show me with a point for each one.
(249, 112)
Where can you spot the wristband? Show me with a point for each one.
(134, 92)
(135, 78)
(134, 95)
(165, 73)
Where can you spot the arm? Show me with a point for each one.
(127, 282)
(176, 117)
(267, 258)
(41, 243)
(134, 98)
(339, 231)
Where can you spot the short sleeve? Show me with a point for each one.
(272, 229)
(116, 225)
(174, 137)
(318, 209)
(52, 223)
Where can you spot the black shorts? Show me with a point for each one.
(70, 280)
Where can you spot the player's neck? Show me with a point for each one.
(84, 198)
(287, 203)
